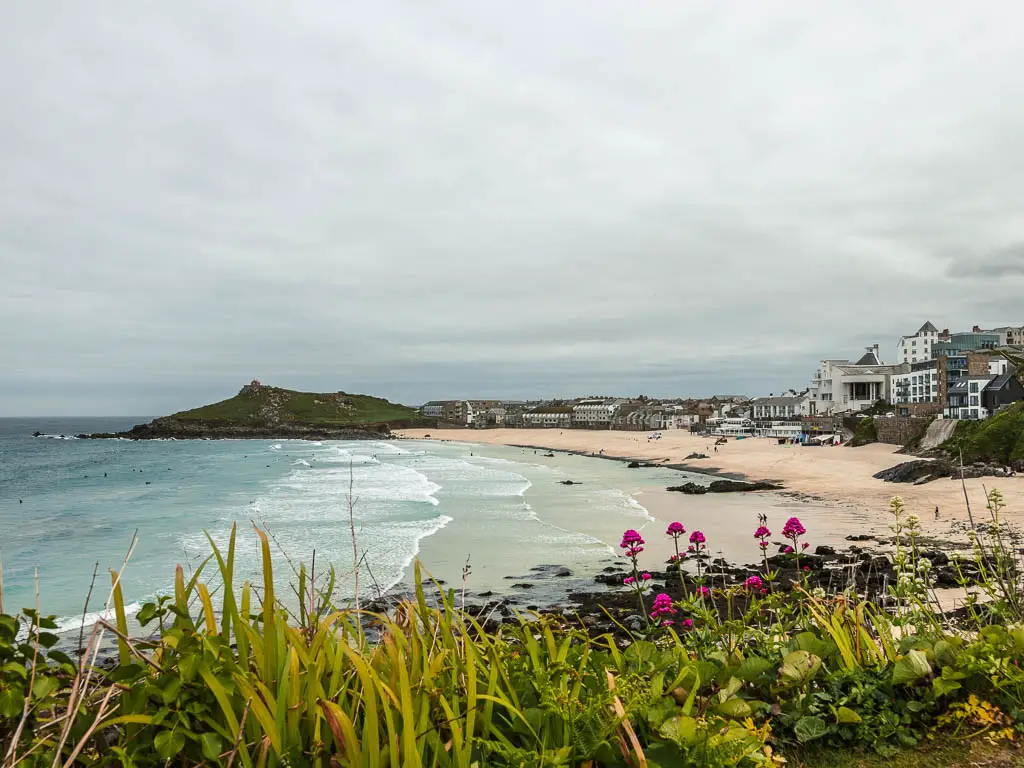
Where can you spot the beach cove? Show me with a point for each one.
(833, 487)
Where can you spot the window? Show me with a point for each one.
(974, 399)
(974, 386)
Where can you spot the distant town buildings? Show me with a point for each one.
(959, 375)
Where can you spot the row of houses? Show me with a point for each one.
(638, 415)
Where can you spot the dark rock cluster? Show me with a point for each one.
(723, 486)
(923, 471)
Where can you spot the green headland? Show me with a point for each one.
(261, 411)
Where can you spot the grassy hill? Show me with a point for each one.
(1000, 438)
(259, 405)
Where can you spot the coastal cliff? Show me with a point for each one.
(263, 412)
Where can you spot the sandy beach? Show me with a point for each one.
(835, 486)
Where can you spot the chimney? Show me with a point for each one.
(975, 329)
(874, 349)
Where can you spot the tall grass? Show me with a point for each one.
(235, 677)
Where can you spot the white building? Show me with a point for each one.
(965, 398)
(916, 348)
(673, 417)
(790, 430)
(786, 407)
(841, 386)
(593, 414)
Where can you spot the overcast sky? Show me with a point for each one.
(464, 198)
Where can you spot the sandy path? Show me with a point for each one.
(837, 476)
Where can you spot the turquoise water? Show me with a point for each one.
(67, 506)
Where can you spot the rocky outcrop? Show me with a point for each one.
(696, 456)
(924, 471)
(196, 429)
(691, 488)
(723, 486)
(913, 471)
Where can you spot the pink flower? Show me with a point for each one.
(763, 545)
(662, 607)
(690, 548)
(788, 550)
(645, 576)
(631, 539)
(628, 580)
(675, 529)
(793, 528)
(807, 567)
(805, 545)
(687, 624)
(697, 537)
(762, 533)
(703, 591)
(754, 583)
(634, 551)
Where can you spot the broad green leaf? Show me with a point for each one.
(8, 629)
(47, 639)
(44, 686)
(730, 689)
(809, 728)
(12, 702)
(799, 667)
(944, 653)
(734, 708)
(681, 730)
(943, 687)
(211, 745)
(846, 715)
(752, 668)
(911, 668)
(168, 743)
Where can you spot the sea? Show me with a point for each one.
(72, 510)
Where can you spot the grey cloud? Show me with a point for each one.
(1002, 262)
(541, 199)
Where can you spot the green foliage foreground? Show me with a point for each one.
(247, 682)
(1000, 438)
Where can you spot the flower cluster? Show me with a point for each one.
(663, 609)
(632, 542)
(793, 529)
(754, 584)
(762, 533)
(675, 529)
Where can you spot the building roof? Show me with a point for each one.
(928, 327)
(567, 409)
(999, 382)
(869, 358)
(858, 369)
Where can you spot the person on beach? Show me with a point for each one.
(936, 513)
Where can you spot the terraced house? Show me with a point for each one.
(595, 414)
